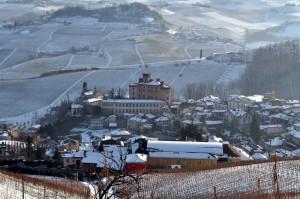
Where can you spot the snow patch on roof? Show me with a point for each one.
(189, 147)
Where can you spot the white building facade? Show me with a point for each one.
(121, 106)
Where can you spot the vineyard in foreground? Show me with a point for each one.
(264, 180)
(279, 179)
(19, 186)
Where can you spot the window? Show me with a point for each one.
(199, 162)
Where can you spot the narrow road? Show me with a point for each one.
(109, 60)
(131, 76)
(138, 53)
(69, 63)
(186, 50)
(8, 56)
(50, 38)
(225, 48)
(59, 98)
(107, 36)
(180, 73)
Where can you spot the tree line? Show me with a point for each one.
(275, 67)
(202, 89)
(123, 12)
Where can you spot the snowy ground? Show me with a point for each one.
(17, 188)
(124, 51)
(233, 182)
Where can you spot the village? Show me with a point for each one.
(147, 130)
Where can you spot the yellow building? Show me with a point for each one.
(165, 154)
(185, 160)
(69, 145)
(147, 88)
(15, 134)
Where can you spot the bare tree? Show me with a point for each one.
(113, 180)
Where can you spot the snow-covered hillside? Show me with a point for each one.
(125, 50)
(19, 187)
(233, 182)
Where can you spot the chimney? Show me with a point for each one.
(146, 77)
(161, 83)
(84, 87)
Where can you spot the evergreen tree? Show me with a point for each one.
(191, 131)
(57, 156)
(29, 141)
(254, 129)
(39, 153)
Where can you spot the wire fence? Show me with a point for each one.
(22, 187)
(257, 181)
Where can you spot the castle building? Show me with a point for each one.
(147, 88)
(121, 106)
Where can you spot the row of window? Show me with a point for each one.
(137, 110)
(137, 105)
(178, 161)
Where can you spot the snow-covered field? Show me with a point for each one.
(35, 95)
(124, 50)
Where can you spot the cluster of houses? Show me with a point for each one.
(230, 119)
(141, 152)
(149, 109)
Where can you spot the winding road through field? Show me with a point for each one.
(50, 38)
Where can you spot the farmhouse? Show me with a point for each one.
(240, 119)
(147, 88)
(271, 130)
(73, 158)
(292, 139)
